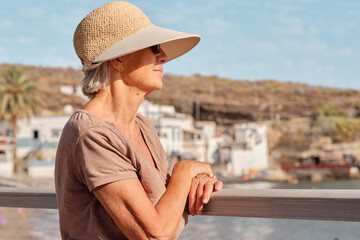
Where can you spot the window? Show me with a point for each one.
(36, 134)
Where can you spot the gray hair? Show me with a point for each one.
(96, 78)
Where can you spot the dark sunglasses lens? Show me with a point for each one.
(155, 49)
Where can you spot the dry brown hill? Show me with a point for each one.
(222, 100)
(227, 101)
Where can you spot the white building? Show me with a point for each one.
(38, 137)
(40, 133)
(37, 140)
(249, 150)
(180, 135)
(194, 146)
(171, 132)
(154, 111)
(73, 90)
(212, 141)
(6, 156)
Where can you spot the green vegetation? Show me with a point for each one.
(339, 128)
(18, 99)
(347, 130)
(327, 110)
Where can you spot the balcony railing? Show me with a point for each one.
(333, 205)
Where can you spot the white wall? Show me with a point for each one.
(171, 137)
(242, 160)
(6, 156)
(250, 151)
(180, 120)
(40, 169)
(155, 111)
(195, 150)
(207, 127)
(49, 129)
(6, 169)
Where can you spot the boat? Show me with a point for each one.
(329, 166)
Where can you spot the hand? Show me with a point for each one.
(200, 192)
(191, 169)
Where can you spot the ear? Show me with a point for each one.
(117, 64)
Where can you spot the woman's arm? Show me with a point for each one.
(133, 212)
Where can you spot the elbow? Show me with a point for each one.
(160, 233)
(163, 237)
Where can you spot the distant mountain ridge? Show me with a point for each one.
(218, 99)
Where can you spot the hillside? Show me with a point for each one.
(227, 101)
(222, 100)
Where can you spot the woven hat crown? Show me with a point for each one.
(105, 26)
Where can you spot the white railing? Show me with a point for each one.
(333, 205)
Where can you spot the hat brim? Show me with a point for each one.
(173, 43)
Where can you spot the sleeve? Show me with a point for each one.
(101, 159)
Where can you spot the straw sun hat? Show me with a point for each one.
(119, 28)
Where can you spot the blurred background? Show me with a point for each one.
(270, 98)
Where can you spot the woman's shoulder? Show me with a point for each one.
(82, 121)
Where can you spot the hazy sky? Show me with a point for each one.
(309, 41)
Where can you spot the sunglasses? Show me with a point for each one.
(155, 49)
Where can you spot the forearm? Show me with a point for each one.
(171, 205)
(129, 206)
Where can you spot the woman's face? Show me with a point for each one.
(143, 69)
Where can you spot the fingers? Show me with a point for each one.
(192, 196)
(199, 195)
(208, 189)
(218, 185)
(200, 192)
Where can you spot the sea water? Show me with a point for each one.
(46, 223)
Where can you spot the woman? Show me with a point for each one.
(111, 171)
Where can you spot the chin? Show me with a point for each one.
(158, 85)
(150, 89)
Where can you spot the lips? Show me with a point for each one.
(159, 70)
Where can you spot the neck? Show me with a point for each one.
(117, 104)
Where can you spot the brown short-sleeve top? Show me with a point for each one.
(93, 152)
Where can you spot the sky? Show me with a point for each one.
(316, 42)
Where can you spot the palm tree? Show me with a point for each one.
(18, 99)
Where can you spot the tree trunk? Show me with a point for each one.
(13, 123)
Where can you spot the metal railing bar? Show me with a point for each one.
(314, 204)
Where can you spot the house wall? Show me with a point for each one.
(6, 169)
(171, 137)
(194, 150)
(242, 160)
(212, 150)
(154, 111)
(208, 128)
(250, 150)
(38, 132)
(180, 120)
(6, 156)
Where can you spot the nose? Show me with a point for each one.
(162, 57)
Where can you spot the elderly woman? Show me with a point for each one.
(111, 170)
